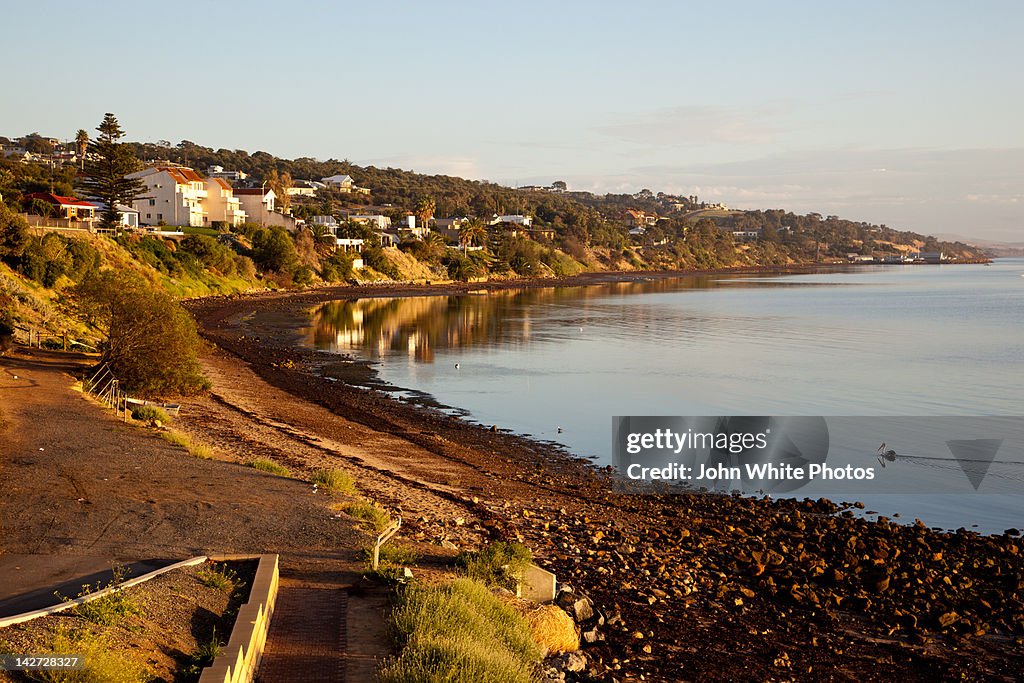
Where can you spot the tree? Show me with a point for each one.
(14, 235)
(274, 250)
(425, 210)
(151, 343)
(280, 184)
(474, 232)
(105, 171)
(81, 144)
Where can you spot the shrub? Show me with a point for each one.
(376, 258)
(498, 564)
(459, 632)
(149, 414)
(217, 576)
(335, 480)
(102, 662)
(151, 342)
(377, 518)
(264, 465)
(109, 609)
(392, 554)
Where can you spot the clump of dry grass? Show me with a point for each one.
(551, 627)
(196, 450)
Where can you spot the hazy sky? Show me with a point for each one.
(907, 113)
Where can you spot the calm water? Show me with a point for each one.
(887, 340)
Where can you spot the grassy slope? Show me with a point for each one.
(49, 309)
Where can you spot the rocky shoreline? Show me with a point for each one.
(685, 587)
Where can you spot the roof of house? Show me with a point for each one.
(59, 199)
(181, 174)
(223, 183)
(337, 179)
(121, 208)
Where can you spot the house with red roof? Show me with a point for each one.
(65, 207)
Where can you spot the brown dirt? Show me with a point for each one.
(699, 594)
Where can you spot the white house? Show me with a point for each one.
(304, 188)
(339, 182)
(328, 221)
(376, 221)
(219, 172)
(222, 204)
(349, 243)
(260, 206)
(128, 218)
(174, 195)
(513, 219)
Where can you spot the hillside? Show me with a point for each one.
(580, 220)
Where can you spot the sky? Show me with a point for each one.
(903, 113)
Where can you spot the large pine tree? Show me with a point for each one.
(108, 162)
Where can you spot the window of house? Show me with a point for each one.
(152, 202)
(159, 216)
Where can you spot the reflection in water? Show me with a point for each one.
(558, 363)
(418, 326)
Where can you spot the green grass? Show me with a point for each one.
(103, 663)
(110, 609)
(149, 414)
(392, 555)
(375, 517)
(459, 632)
(264, 465)
(196, 450)
(499, 564)
(192, 230)
(335, 480)
(217, 576)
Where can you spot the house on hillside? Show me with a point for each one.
(746, 235)
(68, 208)
(376, 221)
(221, 203)
(641, 219)
(127, 217)
(512, 219)
(219, 172)
(304, 188)
(342, 183)
(260, 206)
(174, 195)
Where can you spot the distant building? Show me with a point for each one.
(219, 172)
(343, 183)
(746, 235)
(512, 219)
(641, 219)
(304, 188)
(375, 221)
(327, 221)
(933, 256)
